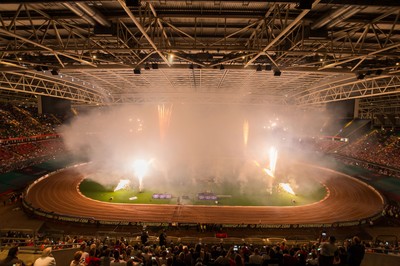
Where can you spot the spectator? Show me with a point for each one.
(12, 258)
(255, 258)
(46, 259)
(237, 260)
(92, 259)
(288, 258)
(197, 253)
(327, 252)
(180, 260)
(355, 252)
(144, 237)
(85, 255)
(163, 238)
(118, 261)
(105, 257)
(223, 259)
(76, 260)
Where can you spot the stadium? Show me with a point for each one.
(268, 125)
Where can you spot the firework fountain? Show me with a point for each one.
(123, 183)
(140, 168)
(271, 172)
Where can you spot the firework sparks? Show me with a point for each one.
(123, 183)
(245, 132)
(140, 167)
(164, 118)
(286, 187)
(273, 157)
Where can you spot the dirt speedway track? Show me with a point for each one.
(347, 200)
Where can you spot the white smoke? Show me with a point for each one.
(202, 143)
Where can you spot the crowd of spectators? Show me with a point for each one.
(11, 198)
(392, 211)
(20, 155)
(379, 147)
(377, 151)
(328, 145)
(15, 234)
(27, 138)
(122, 251)
(21, 125)
(24, 121)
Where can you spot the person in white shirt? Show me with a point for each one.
(46, 259)
(256, 258)
(327, 252)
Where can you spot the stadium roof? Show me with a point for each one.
(293, 53)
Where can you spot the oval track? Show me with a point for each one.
(348, 200)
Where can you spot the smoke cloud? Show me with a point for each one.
(191, 146)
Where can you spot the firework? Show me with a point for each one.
(140, 167)
(273, 157)
(286, 187)
(164, 118)
(123, 183)
(245, 132)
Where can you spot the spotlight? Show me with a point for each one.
(221, 67)
(277, 73)
(132, 3)
(259, 68)
(54, 72)
(379, 72)
(268, 67)
(154, 66)
(38, 68)
(171, 58)
(147, 67)
(191, 66)
(45, 68)
(136, 71)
